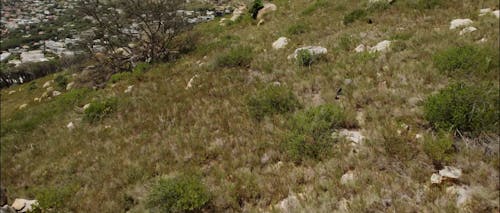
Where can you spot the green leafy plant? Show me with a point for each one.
(465, 108)
(354, 15)
(178, 194)
(100, 109)
(256, 6)
(466, 59)
(310, 131)
(439, 148)
(272, 100)
(297, 29)
(236, 57)
(304, 58)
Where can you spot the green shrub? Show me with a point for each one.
(100, 109)
(310, 131)
(53, 198)
(236, 57)
(465, 108)
(272, 100)
(466, 59)
(178, 194)
(256, 6)
(439, 148)
(297, 29)
(354, 15)
(61, 81)
(120, 76)
(304, 58)
(141, 68)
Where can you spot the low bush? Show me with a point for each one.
(465, 108)
(304, 58)
(310, 132)
(256, 6)
(439, 148)
(178, 194)
(236, 57)
(354, 15)
(272, 100)
(466, 59)
(100, 109)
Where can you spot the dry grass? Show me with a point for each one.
(161, 128)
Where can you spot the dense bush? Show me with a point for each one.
(354, 15)
(100, 109)
(439, 148)
(305, 58)
(236, 57)
(310, 135)
(178, 194)
(465, 108)
(466, 59)
(272, 100)
(256, 6)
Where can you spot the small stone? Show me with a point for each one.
(418, 136)
(23, 106)
(129, 89)
(463, 194)
(382, 46)
(280, 43)
(360, 48)
(56, 93)
(346, 178)
(348, 81)
(468, 29)
(37, 99)
(86, 106)
(436, 178)
(484, 11)
(496, 13)
(450, 172)
(268, 7)
(289, 204)
(456, 23)
(70, 85)
(23, 205)
(190, 83)
(47, 84)
(70, 126)
(352, 135)
(12, 92)
(314, 50)
(50, 89)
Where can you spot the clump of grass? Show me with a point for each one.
(54, 198)
(465, 108)
(100, 109)
(379, 6)
(256, 6)
(354, 15)
(439, 148)
(425, 4)
(347, 42)
(398, 142)
(272, 100)
(304, 58)
(61, 81)
(120, 76)
(297, 29)
(32, 86)
(310, 134)
(236, 57)
(466, 59)
(313, 7)
(179, 194)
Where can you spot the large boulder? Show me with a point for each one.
(314, 50)
(268, 8)
(280, 43)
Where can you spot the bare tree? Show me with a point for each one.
(134, 30)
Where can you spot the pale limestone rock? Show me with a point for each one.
(12, 92)
(190, 83)
(456, 23)
(23, 106)
(70, 126)
(280, 43)
(129, 89)
(314, 50)
(360, 48)
(268, 7)
(382, 46)
(86, 106)
(237, 13)
(56, 93)
(70, 85)
(289, 204)
(463, 193)
(485, 11)
(352, 135)
(23, 205)
(468, 29)
(436, 178)
(47, 84)
(496, 13)
(450, 172)
(347, 178)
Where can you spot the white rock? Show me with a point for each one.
(450, 172)
(190, 83)
(70, 85)
(23, 205)
(4, 56)
(56, 93)
(496, 13)
(70, 126)
(418, 136)
(268, 7)
(468, 29)
(289, 204)
(346, 178)
(47, 84)
(237, 13)
(129, 89)
(86, 106)
(37, 99)
(382, 46)
(456, 23)
(280, 43)
(314, 50)
(23, 106)
(360, 48)
(12, 92)
(436, 179)
(352, 135)
(33, 56)
(484, 11)
(463, 194)
(483, 40)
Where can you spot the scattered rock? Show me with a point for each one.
(47, 84)
(347, 178)
(456, 23)
(237, 13)
(496, 13)
(314, 50)
(129, 89)
(468, 29)
(436, 179)
(382, 46)
(450, 172)
(23, 106)
(483, 40)
(7, 209)
(414, 101)
(86, 106)
(37, 99)
(268, 7)
(463, 193)
(190, 82)
(360, 48)
(485, 11)
(418, 136)
(289, 204)
(50, 89)
(70, 126)
(23, 205)
(70, 85)
(280, 43)
(352, 135)
(56, 93)
(12, 92)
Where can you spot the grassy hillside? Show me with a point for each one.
(253, 146)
